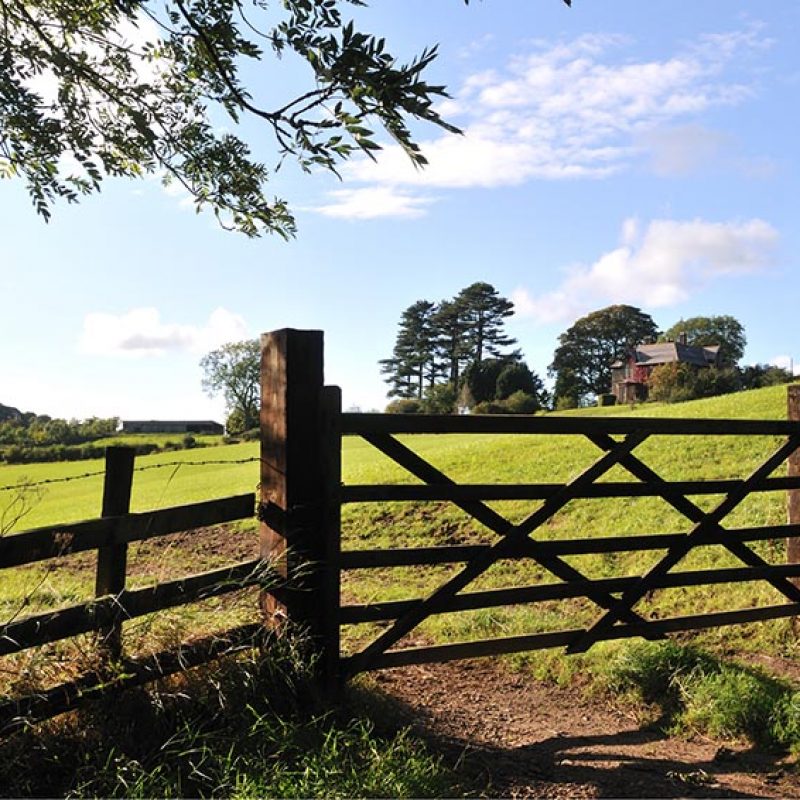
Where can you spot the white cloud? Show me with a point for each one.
(566, 110)
(662, 266)
(373, 202)
(141, 332)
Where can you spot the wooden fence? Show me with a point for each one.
(301, 560)
(114, 604)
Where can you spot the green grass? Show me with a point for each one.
(247, 726)
(697, 692)
(160, 439)
(175, 746)
(494, 459)
(508, 459)
(161, 480)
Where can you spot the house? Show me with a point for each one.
(630, 377)
(172, 426)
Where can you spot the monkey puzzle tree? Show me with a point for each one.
(413, 364)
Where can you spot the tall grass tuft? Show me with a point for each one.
(696, 691)
(249, 725)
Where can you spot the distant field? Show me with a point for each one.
(185, 476)
(160, 439)
(161, 479)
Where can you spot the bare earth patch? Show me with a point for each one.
(537, 740)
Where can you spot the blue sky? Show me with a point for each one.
(616, 152)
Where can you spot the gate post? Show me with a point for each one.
(793, 495)
(296, 465)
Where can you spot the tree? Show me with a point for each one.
(234, 370)
(517, 376)
(413, 364)
(451, 328)
(484, 313)
(756, 376)
(582, 361)
(98, 88)
(480, 380)
(724, 330)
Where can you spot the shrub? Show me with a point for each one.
(676, 383)
(440, 399)
(566, 402)
(521, 403)
(405, 405)
(606, 400)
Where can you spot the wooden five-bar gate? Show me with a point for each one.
(302, 497)
(301, 559)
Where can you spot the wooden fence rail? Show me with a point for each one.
(114, 604)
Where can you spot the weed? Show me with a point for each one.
(696, 691)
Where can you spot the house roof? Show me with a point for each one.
(675, 352)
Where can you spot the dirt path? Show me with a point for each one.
(536, 740)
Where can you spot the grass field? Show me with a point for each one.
(72, 491)
(186, 476)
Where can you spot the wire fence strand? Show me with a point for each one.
(143, 468)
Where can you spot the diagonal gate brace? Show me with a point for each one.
(707, 529)
(511, 535)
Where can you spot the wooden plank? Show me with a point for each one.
(377, 493)
(382, 611)
(112, 559)
(107, 611)
(511, 535)
(451, 554)
(793, 497)
(332, 508)
(292, 535)
(368, 424)
(707, 525)
(58, 540)
(23, 711)
(541, 641)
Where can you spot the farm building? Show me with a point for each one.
(630, 377)
(171, 426)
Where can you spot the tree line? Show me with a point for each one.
(457, 353)
(581, 365)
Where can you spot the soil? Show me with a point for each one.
(524, 738)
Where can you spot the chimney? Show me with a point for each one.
(682, 337)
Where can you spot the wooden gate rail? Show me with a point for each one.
(615, 596)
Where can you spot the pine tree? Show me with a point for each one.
(413, 363)
(451, 338)
(485, 312)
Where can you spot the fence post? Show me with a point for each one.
(295, 464)
(112, 560)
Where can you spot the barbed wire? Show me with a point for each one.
(143, 468)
